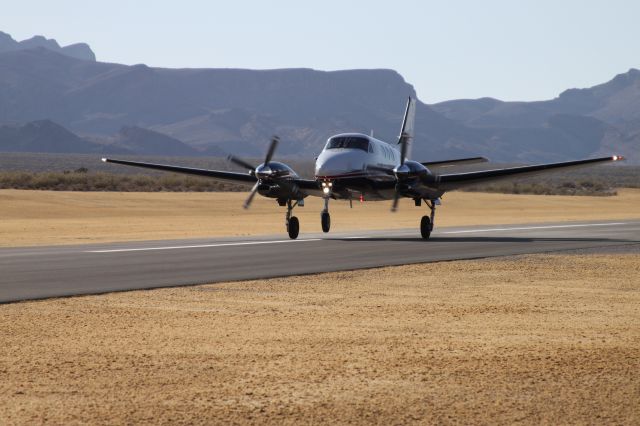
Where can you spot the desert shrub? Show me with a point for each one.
(583, 187)
(84, 181)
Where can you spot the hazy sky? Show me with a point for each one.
(508, 49)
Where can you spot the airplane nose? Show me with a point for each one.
(338, 164)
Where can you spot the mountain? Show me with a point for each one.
(45, 136)
(616, 102)
(599, 120)
(217, 111)
(213, 109)
(147, 142)
(77, 50)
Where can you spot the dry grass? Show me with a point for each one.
(536, 339)
(43, 217)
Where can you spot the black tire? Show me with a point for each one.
(325, 219)
(293, 228)
(425, 227)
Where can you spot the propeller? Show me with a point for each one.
(263, 171)
(252, 194)
(402, 171)
(240, 162)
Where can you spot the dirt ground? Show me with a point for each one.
(534, 339)
(49, 217)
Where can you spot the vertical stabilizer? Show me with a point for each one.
(406, 132)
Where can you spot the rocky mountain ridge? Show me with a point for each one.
(218, 111)
(76, 50)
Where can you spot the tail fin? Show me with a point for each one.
(406, 132)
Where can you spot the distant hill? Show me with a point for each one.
(48, 137)
(44, 136)
(600, 119)
(147, 142)
(77, 50)
(217, 111)
(616, 102)
(222, 109)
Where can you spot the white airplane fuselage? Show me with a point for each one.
(351, 162)
(336, 162)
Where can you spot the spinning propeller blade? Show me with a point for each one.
(272, 149)
(247, 203)
(240, 162)
(403, 153)
(396, 198)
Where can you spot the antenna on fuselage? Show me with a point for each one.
(371, 134)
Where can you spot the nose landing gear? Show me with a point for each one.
(325, 220)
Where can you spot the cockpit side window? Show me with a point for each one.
(348, 142)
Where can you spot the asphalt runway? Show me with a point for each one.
(42, 272)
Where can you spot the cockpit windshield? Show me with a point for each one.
(352, 142)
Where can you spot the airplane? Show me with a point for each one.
(356, 166)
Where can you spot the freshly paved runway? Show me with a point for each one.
(40, 272)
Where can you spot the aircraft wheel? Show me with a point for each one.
(425, 227)
(293, 228)
(325, 219)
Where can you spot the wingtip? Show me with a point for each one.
(104, 160)
(617, 158)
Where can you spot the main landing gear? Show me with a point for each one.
(426, 224)
(293, 224)
(325, 218)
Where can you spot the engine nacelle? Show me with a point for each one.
(411, 177)
(413, 172)
(276, 181)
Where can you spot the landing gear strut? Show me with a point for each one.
(293, 225)
(426, 224)
(325, 218)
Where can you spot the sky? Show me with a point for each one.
(507, 49)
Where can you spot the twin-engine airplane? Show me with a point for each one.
(356, 166)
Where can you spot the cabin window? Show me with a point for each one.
(348, 142)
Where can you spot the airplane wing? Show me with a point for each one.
(456, 162)
(460, 180)
(234, 177)
(307, 186)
